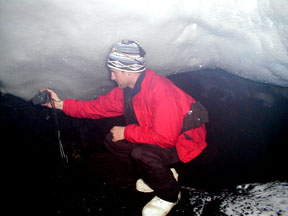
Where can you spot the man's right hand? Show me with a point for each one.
(57, 101)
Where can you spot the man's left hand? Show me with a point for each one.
(117, 133)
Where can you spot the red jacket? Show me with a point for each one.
(160, 108)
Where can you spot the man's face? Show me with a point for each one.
(120, 77)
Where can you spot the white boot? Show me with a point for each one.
(159, 207)
(141, 186)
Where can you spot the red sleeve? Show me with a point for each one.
(109, 105)
(167, 121)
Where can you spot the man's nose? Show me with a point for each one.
(112, 76)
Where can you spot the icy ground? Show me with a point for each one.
(75, 195)
(266, 199)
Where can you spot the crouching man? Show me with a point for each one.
(157, 113)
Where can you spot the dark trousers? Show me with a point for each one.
(152, 162)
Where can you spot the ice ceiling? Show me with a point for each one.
(63, 44)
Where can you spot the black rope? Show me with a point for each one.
(61, 148)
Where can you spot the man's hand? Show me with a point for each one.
(57, 101)
(118, 133)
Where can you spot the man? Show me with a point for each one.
(154, 138)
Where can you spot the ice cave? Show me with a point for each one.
(231, 55)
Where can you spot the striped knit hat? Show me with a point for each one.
(127, 55)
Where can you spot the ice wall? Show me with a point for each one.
(64, 44)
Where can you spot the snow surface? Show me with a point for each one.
(64, 44)
(266, 199)
(269, 199)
